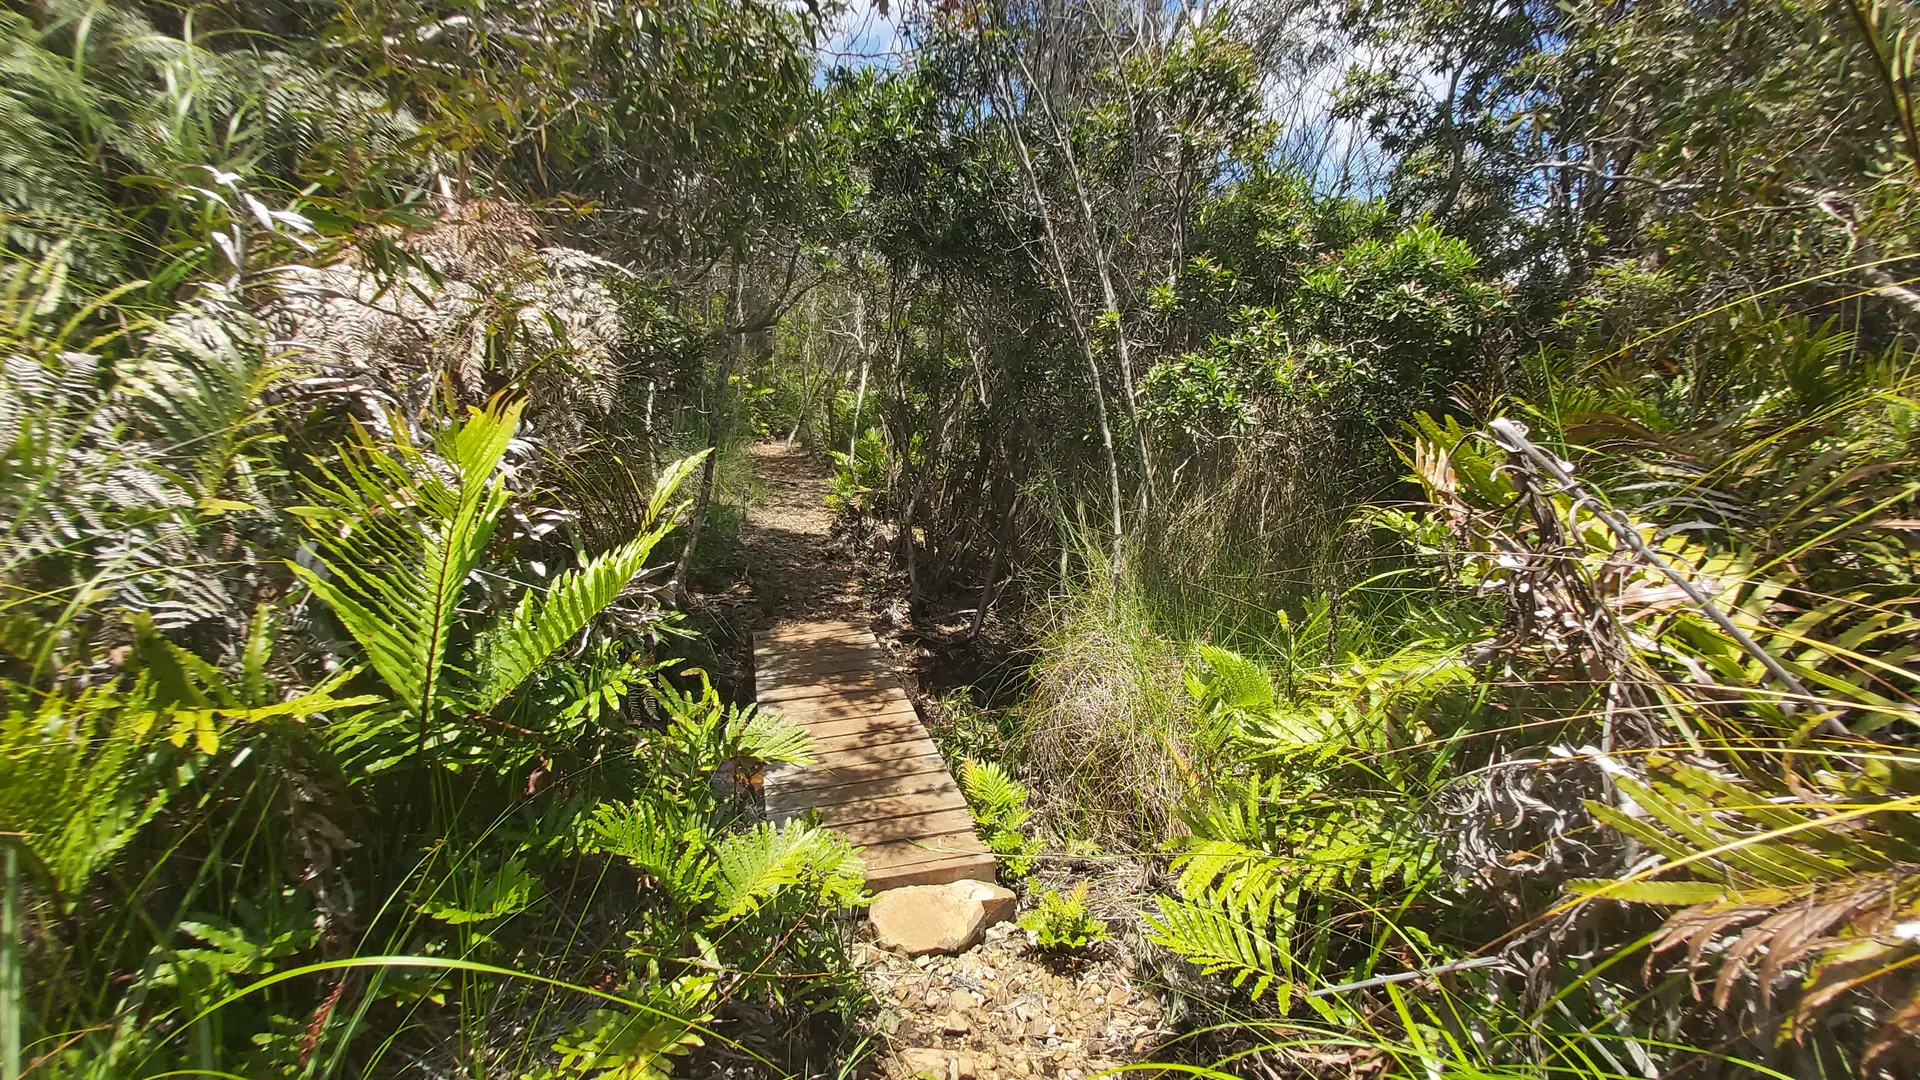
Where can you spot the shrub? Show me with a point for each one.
(999, 805)
(1062, 924)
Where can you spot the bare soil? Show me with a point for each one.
(788, 565)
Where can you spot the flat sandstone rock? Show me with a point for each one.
(921, 919)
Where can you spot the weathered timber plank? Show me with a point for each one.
(827, 729)
(868, 686)
(822, 669)
(926, 862)
(797, 634)
(829, 774)
(787, 652)
(957, 845)
(972, 868)
(786, 799)
(877, 752)
(880, 781)
(894, 806)
(814, 657)
(935, 824)
(829, 749)
(814, 712)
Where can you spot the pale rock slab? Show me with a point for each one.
(919, 920)
(998, 901)
(927, 1063)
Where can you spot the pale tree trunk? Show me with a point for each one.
(730, 344)
(1115, 499)
(860, 346)
(1103, 270)
(807, 381)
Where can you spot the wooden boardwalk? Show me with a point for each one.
(880, 781)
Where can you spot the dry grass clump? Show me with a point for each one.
(1109, 729)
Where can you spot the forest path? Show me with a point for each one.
(794, 568)
(1000, 1011)
(879, 780)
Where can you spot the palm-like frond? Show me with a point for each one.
(767, 736)
(398, 533)
(1232, 681)
(638, 1044)
(71, 782)
(997, 798)
(511, 650)
(661, 839)
(1218, 942)
(1776, 883)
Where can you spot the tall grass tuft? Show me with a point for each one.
(1107, 741)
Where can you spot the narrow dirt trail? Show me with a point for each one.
(794, 569)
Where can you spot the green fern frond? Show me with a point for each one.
(510, 651)
(662, 840)
(767, 736)
(72, 782)
(767, 859)
(483, 895)
(1062, 922)
(998, 799)
(1218, 943)
(638, 1044)
(397, 535)
(1233, 681)
(1246, 880)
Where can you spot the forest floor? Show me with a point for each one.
(1001, 1010)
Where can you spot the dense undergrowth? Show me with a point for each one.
(344, 730)
(1453, 547)
(1485, 609)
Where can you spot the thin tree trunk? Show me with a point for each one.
(1103, 270)
(860, 344)
(716, 422)
(13, 997)
(806, 373)
(1072, 307)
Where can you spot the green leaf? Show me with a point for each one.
(397, 534)
(766, 859)
(1671, 893)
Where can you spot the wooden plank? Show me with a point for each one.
(830, 748)
(869, 686)
(880, 781)
(930, 826)
(873, 754)
(797, 634)
(817, 711)
(818, 669)
(828, 729)
(926, 862)
(972, 868)
(830, 774)
(893, 806)
(782, 655)
(783, 652)
(787, 799)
